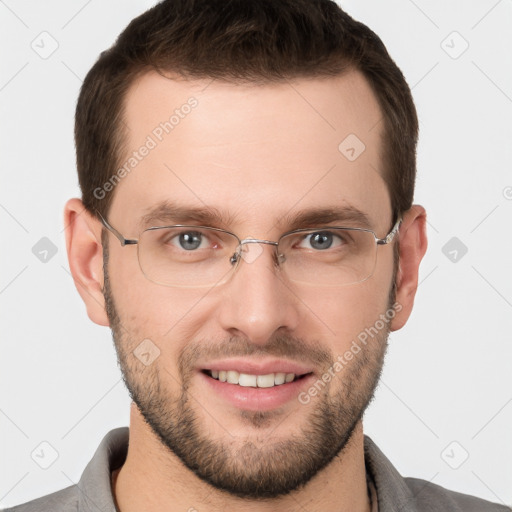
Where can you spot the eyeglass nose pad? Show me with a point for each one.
(281, 258)
(235, 257)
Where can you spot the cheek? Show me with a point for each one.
(338, 315)
(347, 310)
(147, 309)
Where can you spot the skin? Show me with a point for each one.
(257, 153)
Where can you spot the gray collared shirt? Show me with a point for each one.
(93, 493)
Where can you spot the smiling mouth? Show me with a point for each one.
(255, 381)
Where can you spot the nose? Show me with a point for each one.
(257, 300)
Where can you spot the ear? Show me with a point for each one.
(413, 244)
(85, 256)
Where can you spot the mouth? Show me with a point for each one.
(254, 384)
(268, 380)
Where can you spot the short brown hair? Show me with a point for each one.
(254, 41)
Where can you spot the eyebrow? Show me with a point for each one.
(174, 213)
(346, 216)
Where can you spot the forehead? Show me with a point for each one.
(254, 153)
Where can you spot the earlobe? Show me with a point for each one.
(413, 245)
(85, 256)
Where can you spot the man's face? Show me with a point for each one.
(257, 155)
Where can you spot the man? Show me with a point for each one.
(247, 172)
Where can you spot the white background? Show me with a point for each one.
(448, 373)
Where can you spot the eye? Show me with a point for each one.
(189, 240)
(322, 240)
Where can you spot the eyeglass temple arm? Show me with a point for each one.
(124, 241)
(389, 237)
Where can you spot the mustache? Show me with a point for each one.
(283, 346)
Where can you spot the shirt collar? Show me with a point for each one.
(392, 491)
(94, 487)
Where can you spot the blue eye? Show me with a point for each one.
(321, 240)
(190, 240)
(185, 240)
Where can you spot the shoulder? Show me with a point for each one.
(93, 491)
(431, 497)
(65, 500)
(408, 494)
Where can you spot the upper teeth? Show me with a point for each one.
(244, 379)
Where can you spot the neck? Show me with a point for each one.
(152, 478)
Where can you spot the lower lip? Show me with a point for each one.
(258, 399)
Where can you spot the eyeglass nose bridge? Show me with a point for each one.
(237, 254)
